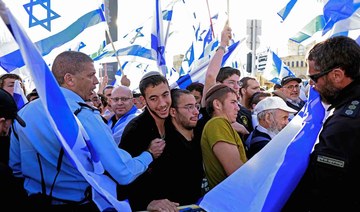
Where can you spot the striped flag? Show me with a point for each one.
(67, 127)
(265, 182)
(275, 69)
(197, 74)
(158, 39)
(322, 19)
(19, 95)
(54, 27)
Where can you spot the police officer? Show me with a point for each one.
(332, 179)
(36, 149)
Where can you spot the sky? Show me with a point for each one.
(239, 12)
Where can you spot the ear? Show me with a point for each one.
(338, 75)
(172, 112)
(68, 79)
(267, 118)
(217, 104)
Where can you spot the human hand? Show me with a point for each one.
(3, 13)
(156, 147)
(226, 35)
(240, 128)
(125, 81)
(163, 205)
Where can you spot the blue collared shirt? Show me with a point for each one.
(39, 137)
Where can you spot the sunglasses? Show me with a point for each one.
(315, 77)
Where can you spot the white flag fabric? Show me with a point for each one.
(55, 26)
(265, 182)
(67, 127)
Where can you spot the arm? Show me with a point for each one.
(120, 164)
(103, 82)
(228, 155)
(215, 62)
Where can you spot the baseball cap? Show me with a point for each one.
(8, 107)
(287, 79)
(272, 102)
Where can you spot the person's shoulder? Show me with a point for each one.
(351, 109)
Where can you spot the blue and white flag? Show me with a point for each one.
(158, 38)
(67, 127)
(55, 26)
(19, 95)
(275, 69)
(265, 182)
(322, 19)
(284, 12)
(198, 73)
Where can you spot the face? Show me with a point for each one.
(253, 87)
(95, 99)
(230, 107)
(233, 82)
(323, 85)
(291, 90)
(158, 100)
(186, 114)
(85, 81)
(278, 120)
(107, 92)
(121, 101)
(5, 126)
(197, 96)
(138, 102)
(9, 84)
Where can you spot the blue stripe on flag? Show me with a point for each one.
(14, 60)
(265, 182)
(284, 12)
(67, 128)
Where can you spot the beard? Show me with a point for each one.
(273, 127)
(329, 92)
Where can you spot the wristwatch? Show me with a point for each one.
(222, 48)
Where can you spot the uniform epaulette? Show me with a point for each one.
(84, 105)
(351, 109)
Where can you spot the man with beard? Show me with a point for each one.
(179, 172)
(141, 131)
(290, 87)
(273, 115)
(331, 180)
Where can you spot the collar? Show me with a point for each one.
(264, 130)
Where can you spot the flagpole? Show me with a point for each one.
(113, 46)
(211, 24)
(228, 13)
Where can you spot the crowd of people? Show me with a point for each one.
(166, 147)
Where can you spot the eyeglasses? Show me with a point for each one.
(191, 108)
(315, 77)
(123, 99)
(291, 87)
(233, 82)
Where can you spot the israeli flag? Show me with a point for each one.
(19, 95)
(275, 69)
(55, 26)
(265, 182)
(67, 127)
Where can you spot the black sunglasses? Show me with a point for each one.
(315, 77)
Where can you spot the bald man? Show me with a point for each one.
(122, 103)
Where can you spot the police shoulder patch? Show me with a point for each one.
(351, 109)
(84, 105)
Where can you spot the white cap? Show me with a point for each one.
(272, 102)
